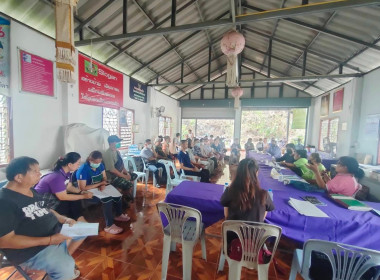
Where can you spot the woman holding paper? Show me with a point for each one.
(91, 176)
(344, 182)
(58, 190)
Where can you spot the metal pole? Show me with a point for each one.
(125, 12)
(273, 80)
(304, 63)
(269, 57)
(182, 72)
(174, 9)
(306, 126)
(287, 130)
(209, 64)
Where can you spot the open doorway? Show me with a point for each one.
(287, 125)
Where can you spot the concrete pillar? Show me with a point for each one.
(237, 123)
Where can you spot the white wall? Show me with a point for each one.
(351, 105)
(172, 110)
(370, 105)
(38, 120)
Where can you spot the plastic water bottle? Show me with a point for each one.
(270, 192)
(225, 186)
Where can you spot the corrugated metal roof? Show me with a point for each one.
(331, 38)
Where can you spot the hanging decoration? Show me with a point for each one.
(232, 44)
(237, 93)
(64, 42)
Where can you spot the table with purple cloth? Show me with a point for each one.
(202, 196)
(345, 226)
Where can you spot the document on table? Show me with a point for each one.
(108, 191)
(306, 208)
(376, 211)
(80, 229)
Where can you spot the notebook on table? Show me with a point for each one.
(350, 202)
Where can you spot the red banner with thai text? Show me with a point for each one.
(99, 85)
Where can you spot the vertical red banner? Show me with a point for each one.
(99, 85)
(338, 100)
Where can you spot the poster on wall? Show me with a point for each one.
(372, 125)
(138, 91)
(4, 55)
(99, 85)
(338, 100)
(325, 101)
(36, 74)
(299, 118)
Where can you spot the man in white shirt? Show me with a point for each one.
(206, 151)
(149, 155)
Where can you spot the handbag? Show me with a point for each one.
(235, 252)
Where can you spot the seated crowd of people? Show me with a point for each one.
(35, 208)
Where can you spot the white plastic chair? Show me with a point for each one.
(189, 177)
(140, 175)
(347, 262)
(146, 170)
(170, 183)
(182, 225)
(252, 237)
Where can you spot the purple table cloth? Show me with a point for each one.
(202, 196)
(344, 226)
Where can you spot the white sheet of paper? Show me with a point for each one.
(108, 191)
(80, 229)
(376, 211)
(306, 208)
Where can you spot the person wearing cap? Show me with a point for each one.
(114, 166)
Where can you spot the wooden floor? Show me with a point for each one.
(137, 252)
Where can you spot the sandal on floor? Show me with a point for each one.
(122, 218)
(114, 229)
(76, 274)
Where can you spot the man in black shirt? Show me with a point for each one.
(29, 232)
(288, 156)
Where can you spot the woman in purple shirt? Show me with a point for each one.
(58, 190)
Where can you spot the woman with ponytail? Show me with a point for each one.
(345, 181)
(58, 190)
(244, 199)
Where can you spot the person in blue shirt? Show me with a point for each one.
(91, 175)
(188, 167)
(274, 150)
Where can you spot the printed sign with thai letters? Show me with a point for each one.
(37, 74)
(138, 91)
(99, 85)
(4, 56)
